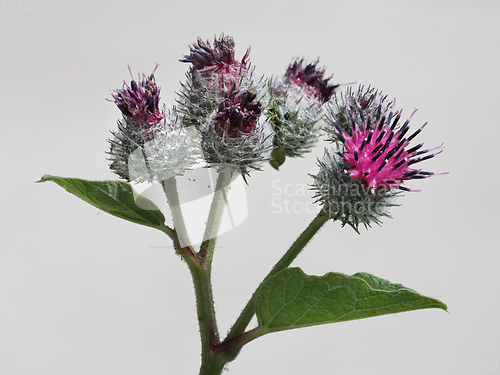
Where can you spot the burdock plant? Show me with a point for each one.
(232, 123)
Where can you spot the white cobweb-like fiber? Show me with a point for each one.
(170, 153)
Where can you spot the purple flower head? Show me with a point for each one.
(236, 134)
(377, 154)
(139, 102)
(310, 79)
(216, 65)
(238, 113)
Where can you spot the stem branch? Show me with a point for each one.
(246, 315)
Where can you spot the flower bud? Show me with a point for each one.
(171, 150)
(150, 144)
(139, 103)
(236, 136)
(295, 109)
(216, 68)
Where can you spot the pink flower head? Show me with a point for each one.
(310, 79)
(238, 113)
(216, 65)
(139, 102)
(377, 154)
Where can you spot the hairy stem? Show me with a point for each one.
(200, 266)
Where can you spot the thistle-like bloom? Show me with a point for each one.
(237, 114)
(379, 156)
(236, 136)
(309, 80)
(216, 65)
(357, 184)
(139, 102)
(295, 109)
(150, 143)
(169, 150)
(214, 71)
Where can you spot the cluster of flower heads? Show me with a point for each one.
(232, 120)
(223, 102)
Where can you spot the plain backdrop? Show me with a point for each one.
(82, 292)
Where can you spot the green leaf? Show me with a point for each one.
(291, 299)
(117, 198)
(277, 158)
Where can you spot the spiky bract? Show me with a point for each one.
(347, 199)
(340, 106)
(170, 150)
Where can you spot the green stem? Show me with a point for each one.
(200, 265)
(226, 352)
(168, 231)
(205, 311)
(214, 354)
(170, 189)
(246, 315)
(215, 215)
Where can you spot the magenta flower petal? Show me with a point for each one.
(378, 154)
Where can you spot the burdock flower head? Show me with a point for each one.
(214, 71)
(139, 103)
(150, 143)
(236, 136)
(309, 81)
(216, 66)
(295, 109)
(357, 183)
(238, 114)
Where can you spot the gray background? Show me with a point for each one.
(82, 292)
